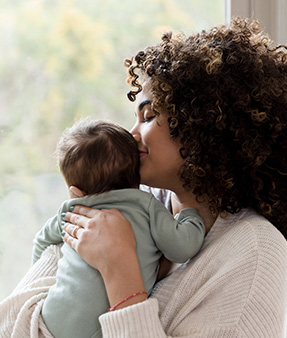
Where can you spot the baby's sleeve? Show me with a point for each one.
(178, 239)
(48, 235)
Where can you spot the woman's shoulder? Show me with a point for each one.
(249, 235)
(262, 269)
(238, 277)
(270, 244)
(251, 243)
(249, 226)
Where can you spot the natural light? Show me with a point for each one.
(62, 60)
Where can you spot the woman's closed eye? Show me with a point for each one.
(148, 117)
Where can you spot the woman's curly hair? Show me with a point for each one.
(225, 91)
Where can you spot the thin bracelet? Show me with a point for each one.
(125, 299)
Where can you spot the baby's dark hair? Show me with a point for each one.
(225, 93)
(98, 156)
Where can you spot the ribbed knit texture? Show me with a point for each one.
(235, 287)
(20, 312)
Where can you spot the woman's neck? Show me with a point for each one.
(185, 199)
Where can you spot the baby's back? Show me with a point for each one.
(78, 298)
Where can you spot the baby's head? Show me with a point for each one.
(98, 156)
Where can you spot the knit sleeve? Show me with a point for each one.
(139, 320)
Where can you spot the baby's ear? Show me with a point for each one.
(76, 192)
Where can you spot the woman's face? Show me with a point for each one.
(159, 153)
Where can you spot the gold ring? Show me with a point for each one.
(74, 232)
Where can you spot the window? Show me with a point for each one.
(271, 15)
(62, 60)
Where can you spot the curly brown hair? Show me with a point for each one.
(225, 91)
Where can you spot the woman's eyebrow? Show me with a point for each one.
(144, 103)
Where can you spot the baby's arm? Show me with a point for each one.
(49, 234)
(178, 239)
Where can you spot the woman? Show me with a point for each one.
(211, 128)
(211, 114)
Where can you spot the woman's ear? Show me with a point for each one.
(76, 192)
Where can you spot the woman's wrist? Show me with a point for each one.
(126, 299)
(124, 279)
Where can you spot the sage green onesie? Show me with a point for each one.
(78, 298)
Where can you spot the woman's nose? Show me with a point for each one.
(135, 134)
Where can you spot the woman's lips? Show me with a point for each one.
(142, 153)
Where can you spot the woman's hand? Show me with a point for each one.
(101, 236)
(105, 240)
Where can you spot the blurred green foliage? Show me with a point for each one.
(59, 61)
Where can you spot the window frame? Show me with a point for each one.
(270, 13)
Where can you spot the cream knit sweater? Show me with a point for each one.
(235, 287)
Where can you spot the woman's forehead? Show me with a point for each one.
(144, 95)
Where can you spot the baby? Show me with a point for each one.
(100, 160)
